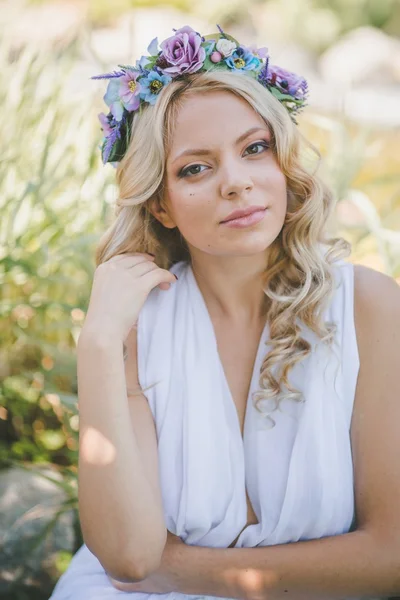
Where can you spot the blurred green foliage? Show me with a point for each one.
(322, 21)
(55, 198)
(53, 193)
(52, 202)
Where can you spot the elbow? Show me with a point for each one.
(132, 568)
(131, 565)
(126, 572)
(129, 556)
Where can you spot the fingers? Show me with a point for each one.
(136, 256)
(142, 265)
(158, 276)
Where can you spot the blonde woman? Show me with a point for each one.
(238, 378)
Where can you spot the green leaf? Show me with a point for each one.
(210, 66)
(253, 74)
(219, 36)
(151, 62)
(208, 47)
(278, 94)
(127, 67)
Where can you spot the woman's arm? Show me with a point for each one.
(119, 500)
(365, 562)
(338, 567)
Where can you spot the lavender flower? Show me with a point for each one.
(108, 75)
(183, 52)
(111, 139)
(263, 74)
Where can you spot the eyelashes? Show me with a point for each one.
(187, 171)
(262, 144)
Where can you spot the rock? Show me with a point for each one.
(28, 505)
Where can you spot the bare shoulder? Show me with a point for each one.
(376, 303)
(376, 414)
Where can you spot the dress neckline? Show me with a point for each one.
(231, 406)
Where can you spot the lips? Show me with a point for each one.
(237, 214)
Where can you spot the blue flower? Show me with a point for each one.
(113, 100)
(243, 60)
(151, 86)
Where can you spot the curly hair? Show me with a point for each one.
(299, 278)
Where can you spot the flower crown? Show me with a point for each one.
(186, 52)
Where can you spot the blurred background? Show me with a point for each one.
(56, 198)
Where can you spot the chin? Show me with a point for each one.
(255, 244)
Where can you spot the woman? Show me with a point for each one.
(237, 377)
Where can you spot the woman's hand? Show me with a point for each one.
(161, 581)
(120, 288)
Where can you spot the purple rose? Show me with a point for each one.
(287, 82)
(183, 52)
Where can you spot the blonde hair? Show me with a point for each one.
(299, 279)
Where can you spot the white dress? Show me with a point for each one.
(299, 474)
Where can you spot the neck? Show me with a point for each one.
(232, 287)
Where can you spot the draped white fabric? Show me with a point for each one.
(298, 475)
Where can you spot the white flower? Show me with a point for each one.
(225, 47)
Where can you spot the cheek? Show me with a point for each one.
(275, 183)
(196, 218)
(191, 208)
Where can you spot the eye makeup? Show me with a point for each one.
(185, 171)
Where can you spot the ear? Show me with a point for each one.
(159, 210)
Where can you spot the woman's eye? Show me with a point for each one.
(192, 170)
(262, 145)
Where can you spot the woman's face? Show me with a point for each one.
(220, 161)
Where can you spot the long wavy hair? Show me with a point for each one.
(299, 278)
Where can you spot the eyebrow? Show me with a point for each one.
(204, 152)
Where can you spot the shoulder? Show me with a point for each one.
(377, 408)
(371, 284)
(376, 303)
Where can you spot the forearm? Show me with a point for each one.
(350, 565)
(119, 513)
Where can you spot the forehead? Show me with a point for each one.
(210, 119)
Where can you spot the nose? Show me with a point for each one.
(235, 180)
